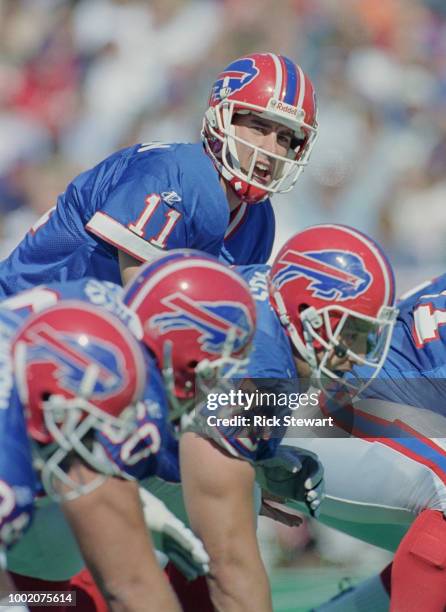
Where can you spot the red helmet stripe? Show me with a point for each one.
(181, 302)
(47, 335)
(294, 257)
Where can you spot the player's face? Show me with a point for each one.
(268, 135)
(355, 336)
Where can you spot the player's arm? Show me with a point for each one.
(139, 223)
(109, 526)
(219, 496)
(128, 266)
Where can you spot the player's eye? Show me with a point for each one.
(285, 138)
(261, 129)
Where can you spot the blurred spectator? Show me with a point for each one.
(80, 78)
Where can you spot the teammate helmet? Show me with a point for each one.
(277, 89)
(77, 369)
(333, 289)
(198, 319)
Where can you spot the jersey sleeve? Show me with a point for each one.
(432, 287)
(141, 218)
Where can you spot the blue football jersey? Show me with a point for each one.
(271, 355)
(152, 448)
(414, 372)
(250, 235)
(104, 294)
(411, 385)
(17, 478)
(271, 363)
(140, 200)
(431, 287)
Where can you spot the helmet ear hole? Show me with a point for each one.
(302, 307)
(192, 364)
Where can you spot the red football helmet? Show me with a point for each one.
(333, 289)
(198, 318)
(77, 369)
(277, 89)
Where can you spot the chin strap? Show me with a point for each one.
(304, 348)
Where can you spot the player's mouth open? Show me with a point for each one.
(262, 173)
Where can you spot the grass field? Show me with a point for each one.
(298, 590)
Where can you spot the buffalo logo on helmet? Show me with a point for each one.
(234, 78)
(334, 274)
(213, 321)
(73, 354)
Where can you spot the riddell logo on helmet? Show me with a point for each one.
(287, 109)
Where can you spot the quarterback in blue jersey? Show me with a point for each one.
(257, 135)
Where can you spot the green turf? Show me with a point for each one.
(298, 590)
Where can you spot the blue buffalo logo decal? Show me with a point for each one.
(334, 275)
(236, 76)
(213, 321)
(73, 354)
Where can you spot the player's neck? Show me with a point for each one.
(231, 196)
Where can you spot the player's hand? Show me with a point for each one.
(293, 473)
(179, 543)
(277, 513)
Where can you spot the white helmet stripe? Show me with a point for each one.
(279, 76)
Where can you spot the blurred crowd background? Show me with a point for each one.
(82, 78)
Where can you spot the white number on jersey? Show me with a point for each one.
(258, 284)
(152, 202)
(427, 320)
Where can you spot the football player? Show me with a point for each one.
(69, 373)
(399, 430)
(258, 132)
(325, 304)
(195, 284)
(198, 320)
